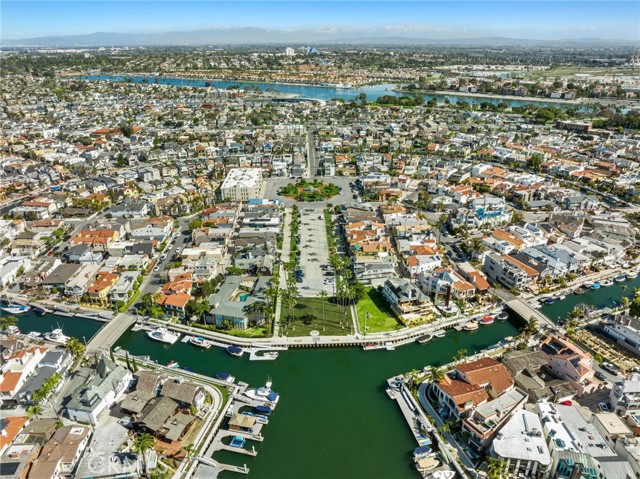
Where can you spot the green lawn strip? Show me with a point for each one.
(313, 306)
(239, 333)
(381, 317)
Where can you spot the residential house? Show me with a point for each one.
(406, 300)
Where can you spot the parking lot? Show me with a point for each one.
(314, 253)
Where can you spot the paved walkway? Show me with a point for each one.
(282, 272)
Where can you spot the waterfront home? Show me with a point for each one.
(78, 284)
(407, 301)
(17, 368)
(522, 445)
(185, 393)
(61, 453)
(98, 291)
(230, 306)
(567, 361)
(445, 284)
(174, 303)
(477, 278)
(162, 418)
(106, 385)
(470, 385)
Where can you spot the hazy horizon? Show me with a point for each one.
(542, 20)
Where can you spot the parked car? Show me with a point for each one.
(603, 407)
(610, 368)
(156, 269)
(566, 403)
(600, 375)
(163, 257)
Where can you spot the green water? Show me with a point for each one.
(605, 297)
(334, 419)
(81, 328)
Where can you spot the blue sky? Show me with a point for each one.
(446, 19)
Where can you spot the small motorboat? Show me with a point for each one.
(588, 284)
(549, 300)
(266, 410)
(486, 320)
(200, 342)
(606, 283)
(595, 286)
(439, 333)
(561, 297)
(425, 338)
(13, 308)
(173, 364)
(39, 310)
(620, 278)
(235, 351)
(470, 326)
(578, 290)
(390, 346)
(34, 335)
(503, 316)
(632, 274)
(224, 376)
(509, 339)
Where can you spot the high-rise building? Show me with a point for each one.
(289, 52)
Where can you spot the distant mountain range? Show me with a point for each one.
(261, 36)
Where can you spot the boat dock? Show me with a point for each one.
(209, 467)
(419, 424)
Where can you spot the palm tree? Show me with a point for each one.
(323, 297)
(141, 444)
(7, 321)
(190, 449)
(435, 374)
(75, 347)
(445, 428)
(34, 411)
(495, 467)
(476, 245)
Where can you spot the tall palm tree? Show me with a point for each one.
(435, 374)
(141, 445)
(75, 347)
(7, 321)
(323, 297)
(34, 411)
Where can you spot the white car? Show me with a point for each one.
(156, 269)
(178, 249)
(163, 257)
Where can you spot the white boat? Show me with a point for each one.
(425, 338)
(470, 326)
(200, 342)
(271, 354)
(56, 336)
(263, 394)
(390, 346)
(442, 475)
(439, 333)
(34, 335)
(503, 316)
(173, 364)
(13, 308)
(632, 274)
(235, 351)
(561, 297)
(606, 282)
(163, 335)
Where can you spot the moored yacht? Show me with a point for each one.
(470, 326)
(263, 394)
(13, 308)
(620, 278)
(200, 342)
(56, 336)
(163, 335)
(486, 320)
(439, 333)
(632, 274)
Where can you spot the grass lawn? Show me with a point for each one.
(309, 310)
(381, 317)
(247, 333)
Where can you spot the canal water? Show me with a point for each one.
(600, 298)
(334, 419)
(316, 92)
